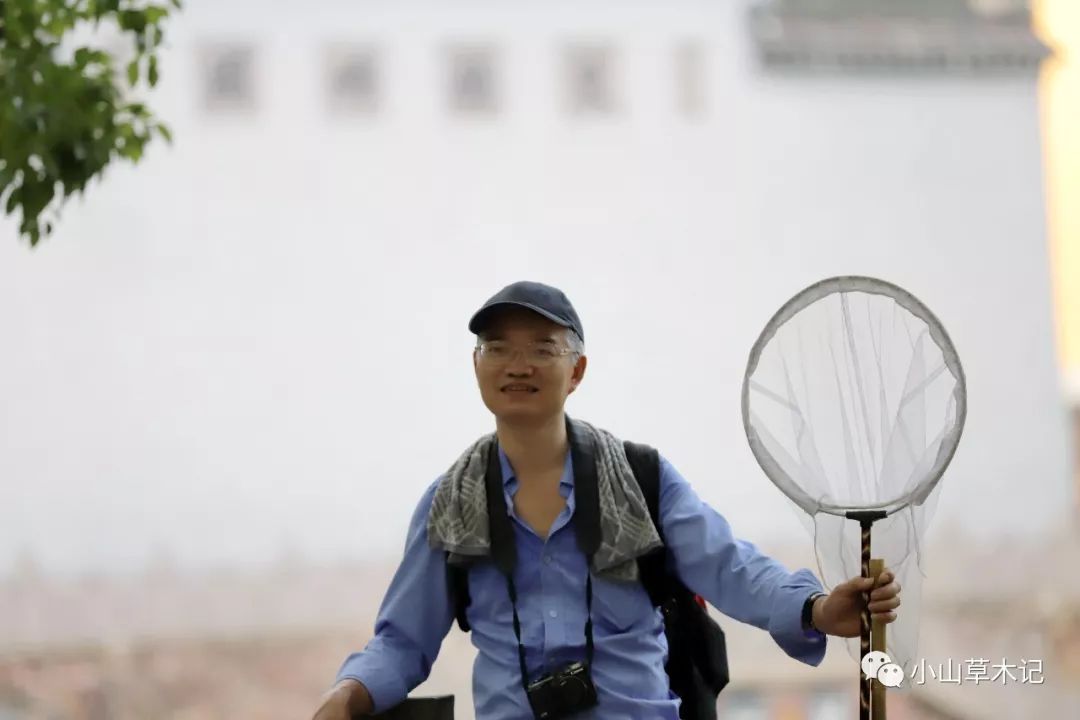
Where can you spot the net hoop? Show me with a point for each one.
(802, 300)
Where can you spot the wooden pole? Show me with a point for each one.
(864, 635)
(877, 642)
(866, 520)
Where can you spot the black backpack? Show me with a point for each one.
(697, 665)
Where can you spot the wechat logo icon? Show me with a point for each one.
(879, 666)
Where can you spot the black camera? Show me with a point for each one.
(563, 693)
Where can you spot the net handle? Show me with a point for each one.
(877, 642)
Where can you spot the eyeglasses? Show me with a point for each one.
(496, 353)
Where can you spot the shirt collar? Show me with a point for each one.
(510, 483)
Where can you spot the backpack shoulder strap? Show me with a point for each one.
(457, 583)
(503, 551)
(645, 462)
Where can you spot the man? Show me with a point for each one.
(529, 358)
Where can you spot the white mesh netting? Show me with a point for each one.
(854, 399)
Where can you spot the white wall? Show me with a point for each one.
(258, 337)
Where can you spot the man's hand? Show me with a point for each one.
(346, 700)
(838, 613)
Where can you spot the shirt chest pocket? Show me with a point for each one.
(621, 606)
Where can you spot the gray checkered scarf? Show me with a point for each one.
(458, 521)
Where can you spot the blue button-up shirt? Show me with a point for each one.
(630, 646)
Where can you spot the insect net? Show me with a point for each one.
(854, 399)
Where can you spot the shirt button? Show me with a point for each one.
(553, 614)
(547, 559)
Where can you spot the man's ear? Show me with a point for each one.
(579, 372)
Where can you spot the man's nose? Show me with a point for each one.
(518, 367)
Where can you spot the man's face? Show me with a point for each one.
(515, 387)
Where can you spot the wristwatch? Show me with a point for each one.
(808, 612)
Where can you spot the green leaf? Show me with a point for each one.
(63, 123)
(155, 14)
(133, 20)
(56, 25)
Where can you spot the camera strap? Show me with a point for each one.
(517, 627)
(586, 525)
